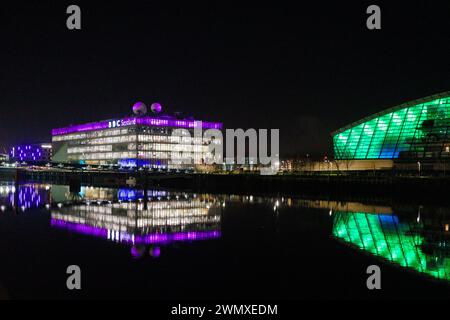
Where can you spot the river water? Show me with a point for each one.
(182, 245)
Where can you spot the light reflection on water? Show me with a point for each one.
(413, 238)
(25, 196)
(164, 219)
(409, 244)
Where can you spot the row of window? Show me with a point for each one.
(145, 138)
(90, 134)
(142, 155)
(145, 147)
(102, 148)
(104, 218)
(169, 147)
(149, 133)
(172, 139)
(108, 140)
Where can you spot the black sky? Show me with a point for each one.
(305, 69)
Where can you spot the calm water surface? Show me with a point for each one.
(181, 245)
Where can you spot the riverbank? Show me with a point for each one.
(349, 187)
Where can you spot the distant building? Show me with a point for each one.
(4, 157)
(307, 165)
(38, 152)
(294, 164)
(247, 165)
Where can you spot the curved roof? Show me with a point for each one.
(392, 109)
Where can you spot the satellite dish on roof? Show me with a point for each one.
(156, 107)
(139, 108)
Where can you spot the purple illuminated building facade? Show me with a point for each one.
(148, 141)
(41, 152)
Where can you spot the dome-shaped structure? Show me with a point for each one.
(156, 107)
(414, 130)
(139, 108)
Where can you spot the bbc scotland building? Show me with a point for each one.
(414, 132)
(146, 141)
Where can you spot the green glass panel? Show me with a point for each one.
(366, 138)
(379, 136)
(413, 131)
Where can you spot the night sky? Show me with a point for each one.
(304, 69)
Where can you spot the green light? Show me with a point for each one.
(384, 236)
(399, 132)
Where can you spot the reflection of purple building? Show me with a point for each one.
(25, 196)
(162, 222)
(128, 194)
(153, 238)
(41, 152)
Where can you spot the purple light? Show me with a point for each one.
(155, 252)
(147, 121)
(154, 238)
(27, 196)
(28, 153)
(80, 228)
(139, 107)
(137, 252)
(156, 107)
(81, 127)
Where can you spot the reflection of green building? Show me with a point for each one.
(415, 130)
(399, 243)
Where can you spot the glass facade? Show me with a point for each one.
(125, 143)
(415, 130)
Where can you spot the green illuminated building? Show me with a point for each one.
(416, 130)
(402, 244)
